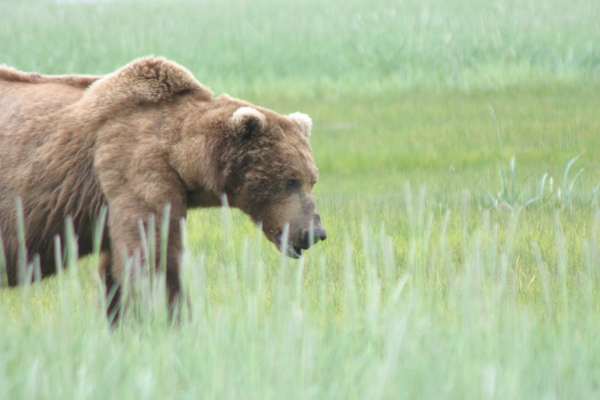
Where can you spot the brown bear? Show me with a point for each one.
(134, 141)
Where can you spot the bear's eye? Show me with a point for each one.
(292, 185)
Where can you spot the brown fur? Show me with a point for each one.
(147, 135)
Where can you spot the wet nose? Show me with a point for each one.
(318, 235)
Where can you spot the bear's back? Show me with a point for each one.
(9, 74)
(26, 95)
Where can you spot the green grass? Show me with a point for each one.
(315, 48)
(456, 142)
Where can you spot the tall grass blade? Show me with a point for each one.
(3, 269)
(545, 278)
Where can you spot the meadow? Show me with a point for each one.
(459, 185)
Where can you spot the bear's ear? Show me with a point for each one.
(248, 121)
(303, 120)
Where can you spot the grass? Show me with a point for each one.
(458, 183)
(313, 48)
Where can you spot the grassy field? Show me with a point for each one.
(456, 142)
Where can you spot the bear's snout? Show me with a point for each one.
(304, 240)
(307, 240)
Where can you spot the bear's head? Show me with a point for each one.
(265, 164)
(260, 160)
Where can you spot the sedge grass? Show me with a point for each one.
(475, 306)
(314, 48)
(458, 183)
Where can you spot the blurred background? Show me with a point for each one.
(457, 143)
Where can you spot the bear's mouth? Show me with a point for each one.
(291, 251)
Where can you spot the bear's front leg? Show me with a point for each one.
(130, 222)
(113, 292)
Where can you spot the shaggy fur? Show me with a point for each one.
(135, 140)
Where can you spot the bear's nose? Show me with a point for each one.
(318, 235)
